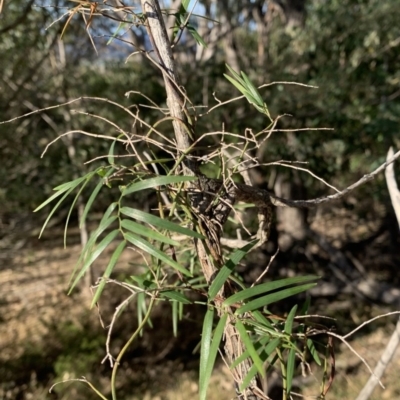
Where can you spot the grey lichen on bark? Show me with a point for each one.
(176, 101)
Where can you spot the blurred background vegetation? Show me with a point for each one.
(350, 49)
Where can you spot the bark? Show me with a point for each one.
(229, 41)
(293, 10)
(292, 222)
(175, 97)
(259, 18)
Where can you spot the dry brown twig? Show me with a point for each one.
(277, 201)
(83, 380)
(135, 290)
(258, 194)
(377, 374)
(266, 269)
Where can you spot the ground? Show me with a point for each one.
(39, 321)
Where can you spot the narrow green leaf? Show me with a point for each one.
(240, 359)
(248, 378)
(205, 352)
(274, 297)
(250, 347)
(113, 260)
(237, 85)
(252, 89)
(157, 181)
(93, 197)
(144, 281)
(141, 308)
(251, 99)
(264, 355)
(88, 248)
(259, 345)
(176, 296)
(267, 287)
(199, 40)
(271, 361)
(228, 267)
(207, 362)
(180, 310)
(246, 87)
(290, 369)
(305, 307)
(71, 184)
(66, 194)
(120, 26)
(185, 4)
(54, 196)
(175, 318)
(159, 222)
(150, 249)
(49, 200)
(220, 279)
(262, 320)
(66, 188)
(144, 231)
(313, 351)
(265, 330)
(71, 209)
(289, 320)
(89, 203)
(237, 77)
(110, 157)
(216, 340)
(270, 348)
(99, 249)
(105, 222)
(109, 211)
(178, 24)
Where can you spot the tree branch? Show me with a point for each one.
(176, 101)
(262, 197)
(21, 19)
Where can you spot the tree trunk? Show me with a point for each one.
(185, 136)
(291, 222)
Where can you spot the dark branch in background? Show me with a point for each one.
(21, 19)
(33, 70)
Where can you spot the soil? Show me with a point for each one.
(35, 308)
